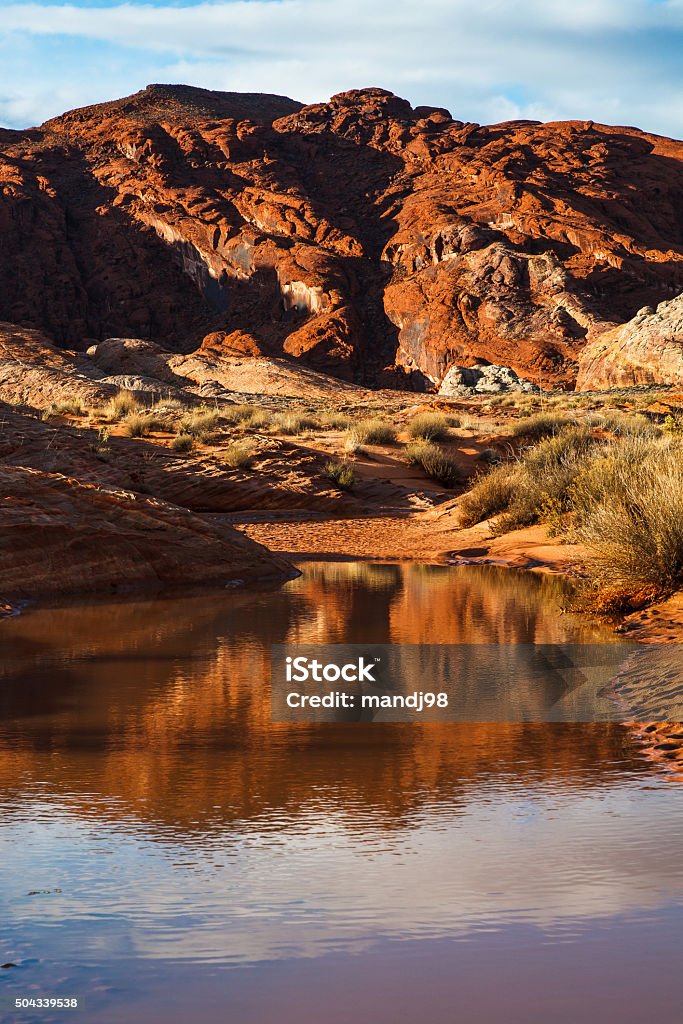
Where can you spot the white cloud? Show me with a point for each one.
(613, 60)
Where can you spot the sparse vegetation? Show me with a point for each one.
(542, 424)
(238, 456)
(490, 495)
(543, 478)
(70, 407)
(260, 419)
(139, 424)
(122, 405)
(182, 443)
(293, 423)
(336, 420)
(372, 431)
(620, 496)
(238, 413)
(429, 426)
(340, 473)
(352, 445)
(200, 424)
(628, 508)
(624, 424)
(434, 462)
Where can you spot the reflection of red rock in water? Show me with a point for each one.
(359, 235)
(184, 737)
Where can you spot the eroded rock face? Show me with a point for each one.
(61, 536)
(361, 236)
(490, 379)
(646, 350)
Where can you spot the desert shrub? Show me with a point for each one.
(260, 419)
(628, 508)
(542, 424)
(168, 406)
(182, 443)
(434, 462)
(490, 494)
(490, 456)
(625, 424)
(372, 431)
(340, 473)
(70, 407)
(336, 420)
(352, 445)
(545, 476)
(429, 426)
(122, 405)
(238, 456)
(239, 413)
(200, 423)
(139, 424)
(293, 423)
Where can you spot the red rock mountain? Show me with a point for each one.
(369, 239)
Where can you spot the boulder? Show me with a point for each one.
(484, 380)
(646, 350)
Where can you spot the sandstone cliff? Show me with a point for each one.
(646, 350)
(372, 240)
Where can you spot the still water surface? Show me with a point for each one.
(168, 854)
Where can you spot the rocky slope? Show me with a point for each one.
(646, 350)
(60, 536)
(382, 243)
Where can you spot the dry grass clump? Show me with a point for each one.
(542, 424)
(182, 443)
(200, 424)
(624, 424)
(138, 424)
(491, 494)
(352, 445)
(434, 462)
(543, 480)
(372, 431)
(333, 420)
(234, 414)
(628, 508)
(293, 423)
(340, 474)
(429, 426)
(122, 405)
(534, 488)
(238, 456)
(622, 498)
(70, 407)
(260, 419)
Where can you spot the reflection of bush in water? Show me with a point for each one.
(373, 575)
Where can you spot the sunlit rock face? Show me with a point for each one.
(363, 237)
(646, 350)
(484, 380)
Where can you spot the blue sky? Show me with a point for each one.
(618, 61)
